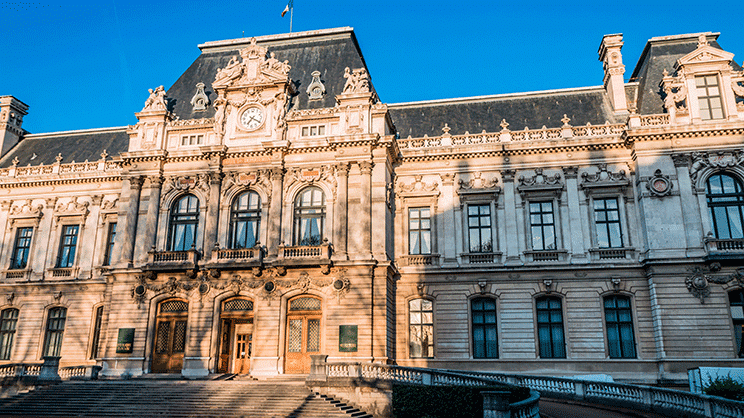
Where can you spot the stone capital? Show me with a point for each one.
(155, 181)
(135, 182)
(681, 160)
(366, 167)
(277, 173)
(342, 169)
(507, 176)
(570, 172)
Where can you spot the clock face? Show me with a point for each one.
(252, 118)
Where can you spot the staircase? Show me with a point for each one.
(177, 398)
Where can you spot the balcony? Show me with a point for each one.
(612, 254)
(62, 273)
(419, 260)
(171, 260)
(19, 275)
(546, 256)
(724, 249)
(481, 258)
(236, 258)
(305, 254)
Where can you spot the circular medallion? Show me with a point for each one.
(660, 185)
(140, 290)
(269, 287)
(252, 118)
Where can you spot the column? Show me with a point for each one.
(690, 208)
(275, 212)
(512, 242)
(129, 227)
(365, 209)
(153, 212)
(213, 213)
(341, 224)
(575, 241)
(450, 236)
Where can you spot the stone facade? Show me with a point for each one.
(269, 206)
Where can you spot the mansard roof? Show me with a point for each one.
(659, 54)
(75, 146)
(329, 51)
(475, 114)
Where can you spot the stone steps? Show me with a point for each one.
(168, 398)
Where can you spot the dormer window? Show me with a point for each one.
(709, 97)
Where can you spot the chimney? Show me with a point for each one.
(612, 61)
(12, 112)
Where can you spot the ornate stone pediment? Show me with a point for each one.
(325, 173)
(27, 210)
(540, 182)
(705, 53)
(73, 207)
(477, 184)
(254, 68)
(719, 160)
(418, 187)
(260, 178)
(604, 178)
(184, 184)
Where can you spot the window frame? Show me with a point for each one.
(550, 323)
(630, 323)
(244, 215)
(302, 213)
(606, 223)
(108, 251)
(480, 228)
(706, 97)
(17, 247)
(183, 219)
(541, 225)
(7, 336)
(95, 338)
(487, 354)
(420, 230)
(57, 333)
(69, 260)
(431, 346)
(737, 203)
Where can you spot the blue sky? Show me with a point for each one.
(89, 64)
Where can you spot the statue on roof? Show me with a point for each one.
(156, 101)
(357, 81)
(232, 71)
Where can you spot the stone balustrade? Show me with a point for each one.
(86, 167)
(33, 370)
(724, 245)
(172, 260)
(322, 251)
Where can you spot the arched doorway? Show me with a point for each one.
(170, 336)
(303, 333)
(236, 336)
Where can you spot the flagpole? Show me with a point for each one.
(291, 14)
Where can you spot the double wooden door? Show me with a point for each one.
(170, 344)
(303, 339)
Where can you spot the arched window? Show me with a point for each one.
(245, 220)
(619, 322)
(550, 327)
(184, 217)
(55, 329)
(309, 216)
(421, 328)
(725, 200)
(736, 304)
(485, 333)
(8, 320)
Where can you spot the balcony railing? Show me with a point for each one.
(546, 256)
(610, 254)
(63, 272)
(18, 274)
(420, 260)
(172, 260)
(239, 254)
(481, 258)
(300, 252)
(724, 245)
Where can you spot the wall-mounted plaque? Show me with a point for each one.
(347, 338)
(125, 342)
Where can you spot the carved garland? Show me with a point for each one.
(259, 179)
(305, 176)
(176, 184)
(698, 283)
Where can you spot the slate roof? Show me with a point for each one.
(75, 146)
(475, 114)
(659, 54)
(328, 51)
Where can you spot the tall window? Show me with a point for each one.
(110, 239)
(68, 244)
(55, 329)
(96, 333)
(479, 228)
(485, 334)
(736, 303)
(8, 320)
(543, 226)
(183, 221)
(421, 328)
(607, 222)
(21, 248)
(309, 216)
(619, 321)
(245, 218)
(550, 327)
(709, 97)
(725, 201)
(419, 231)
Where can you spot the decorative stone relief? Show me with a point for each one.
(675, 90)
(659, 185)
(260, 179)
(71, 208)
(110, 205)
(357, 80)
(157, 100)
(316, 89)
(698, 282)
(540, 183)
(27, 210)
(477, 184)
(417, 187)
(310, 176)
(604, 178)
(254, 68)
(719, 160)
(200, 99)
(185, 183)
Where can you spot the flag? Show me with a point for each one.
(286, 9)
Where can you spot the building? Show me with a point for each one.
(269, 206)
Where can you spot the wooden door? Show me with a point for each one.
(303, 339)
(243, 347)
(170, 337)
(225, 344)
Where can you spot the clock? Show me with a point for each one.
(252, 118)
